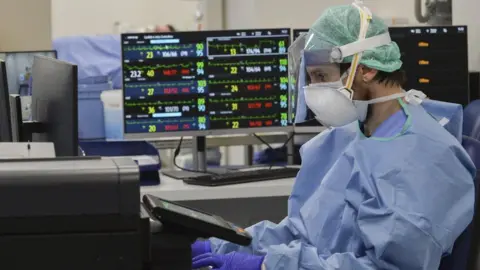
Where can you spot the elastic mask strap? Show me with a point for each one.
(413, 97)
(386, 98)
(365, 18)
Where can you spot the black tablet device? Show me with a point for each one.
(195, 221)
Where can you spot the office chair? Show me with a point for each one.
(471, 120)
(466, 248)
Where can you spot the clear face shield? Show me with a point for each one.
(319, 88)
(309, 68)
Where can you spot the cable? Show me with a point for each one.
(288, 140)
(177, 152)
(264, 142)
(269, 146)
(273, 149)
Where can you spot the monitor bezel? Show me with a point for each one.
(5, 95)
(195, 133)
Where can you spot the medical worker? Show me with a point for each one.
(386, 187)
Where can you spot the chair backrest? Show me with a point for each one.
(466, 249)
(471, 120)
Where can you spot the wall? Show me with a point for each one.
(87, 17)
(25, 25)
(302, 13)
(465, 12)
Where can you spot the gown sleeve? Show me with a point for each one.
(407, 216)
(264, 234)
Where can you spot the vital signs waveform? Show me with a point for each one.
(155, 67)
(158, 47)
(240, 45)
(213, 82)
(242, 99)
(154, 85)
(153, 103)
(243, 63)
(161, 121)
(242, 117)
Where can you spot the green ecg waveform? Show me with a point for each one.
(226, 118)
(244, 46)
(241, 81)
(153, 85)
(183, 65)
(158, 47)
(180, 102)
(160, 121)
(243, 63)
(225, 100)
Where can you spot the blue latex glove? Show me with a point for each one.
(201, 247)
(230, 261)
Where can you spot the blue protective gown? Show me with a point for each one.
(396, 200)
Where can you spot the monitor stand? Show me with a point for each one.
(199, 162)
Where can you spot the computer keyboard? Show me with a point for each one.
(239, 177)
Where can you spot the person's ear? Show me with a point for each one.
(367, 73)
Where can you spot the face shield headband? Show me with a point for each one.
(303, 53)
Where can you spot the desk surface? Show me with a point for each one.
(176, 190)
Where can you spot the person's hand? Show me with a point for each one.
(230, 261)
(201, 247)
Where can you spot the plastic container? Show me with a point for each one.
(113, 114)
(90, 107)
(142, 152)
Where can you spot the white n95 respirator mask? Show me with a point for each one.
(333, 106)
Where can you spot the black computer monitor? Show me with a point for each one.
(5, 121)
(54, 104)
(298, 32)
(435, 60)
(16, 118)
(19, 69)
(207, 82)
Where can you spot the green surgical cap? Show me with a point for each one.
(340, 25)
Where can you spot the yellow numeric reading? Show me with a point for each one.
(150, 91)
(234, 106)
(233, 51)
(149, 55)
(235, 124)
(151, 73)
(233, 70)
(151, 110)
(152, 128)
(234, 88)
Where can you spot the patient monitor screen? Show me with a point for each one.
(435, 60)
(19, 70)
(203, 81)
